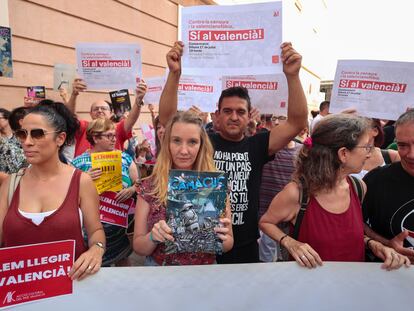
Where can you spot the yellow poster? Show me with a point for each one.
(110, 163)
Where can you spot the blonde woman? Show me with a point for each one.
(186, 147)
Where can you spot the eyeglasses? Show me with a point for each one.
(108, 136)
(103, 108)
(280, 118)
(37, 134)
(368, 148)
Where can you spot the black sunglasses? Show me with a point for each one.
(34, 133)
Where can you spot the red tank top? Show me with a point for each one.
(63, 224)
(335, 237)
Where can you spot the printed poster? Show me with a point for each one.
(268, 93)
(195, 202)
(113, 212)
(106, 66)
(376, 89)
(155, 86)
(110, 163)
(200, 91)
(120, 102)
(6, 60)
(63, 77)
(232, 40)
(36, 92)
(34, 272)
(149, 134)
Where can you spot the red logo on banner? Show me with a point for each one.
(34, 272)
(112, 212)
(275, 59)
(282, 104)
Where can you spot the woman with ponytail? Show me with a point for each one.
(52, 201)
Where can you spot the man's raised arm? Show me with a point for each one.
(136, 108)
(297, 118)
(169, 97)
(78, 86)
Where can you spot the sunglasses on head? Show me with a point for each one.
(34, 133)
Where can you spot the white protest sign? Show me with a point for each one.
(232, 40)
(376, 89)
(200, 91)
(268, 93)
(63, 76)
(154, 89)
(106, 66)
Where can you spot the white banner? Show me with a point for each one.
(268, 93)
(154, 89)
(107, 66)
(232, 40)
(376, 89)
(200, 91)
(264, 286)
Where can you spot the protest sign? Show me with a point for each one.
(120, 102)
(154, 89)
(110, 163)
(109, 65)
(149, 134)
(63, 76)
(6, 60)
(200, 91)
(376, 89)
(113, 212)
(36, 92)
(268, 93)
(36, 271)
(232, 40)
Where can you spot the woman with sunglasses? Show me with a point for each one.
(186, 147)
(101, 135)
(332, 227)
(38, 214)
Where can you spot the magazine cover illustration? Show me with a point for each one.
(196, 201)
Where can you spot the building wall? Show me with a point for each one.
(45, 32)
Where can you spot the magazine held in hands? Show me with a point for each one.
(196, 201)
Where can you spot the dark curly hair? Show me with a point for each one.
(319, 165)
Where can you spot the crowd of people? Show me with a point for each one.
(325, 190)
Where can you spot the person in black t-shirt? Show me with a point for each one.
(240, 156)
(389, 204)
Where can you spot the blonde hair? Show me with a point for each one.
(97, 127)
(203, 162)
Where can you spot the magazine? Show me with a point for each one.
(110, 163)
(196, 201)
(120, 102)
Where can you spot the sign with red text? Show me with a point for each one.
(155, 86)
(106, 66)
(232, 40)
(113, 212)
(200, 91)
(376, 89)
(268, 93)
(34, 272)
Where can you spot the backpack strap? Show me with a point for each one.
(386, 156)
(358, 187)
(14, 182)
(303, 201)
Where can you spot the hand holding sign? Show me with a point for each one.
(87, 264)
(292, 60)
(397, 243)
(174, 57)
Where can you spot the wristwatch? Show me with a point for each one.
(101, 245)
(141, 103)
